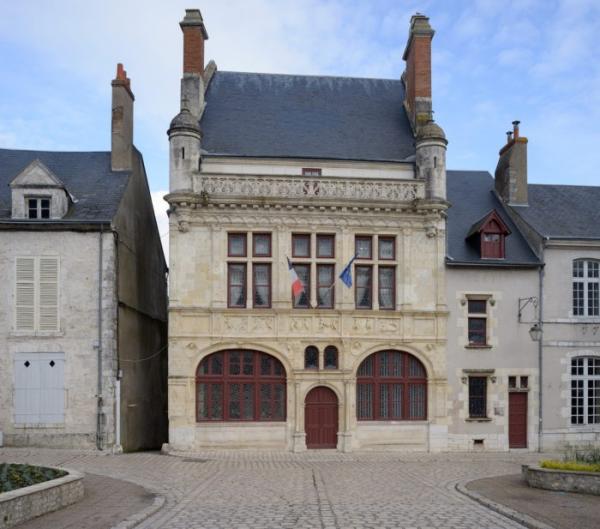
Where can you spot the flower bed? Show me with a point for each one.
(563, 480)
(14, 477)
(570, 465)
(28, 491)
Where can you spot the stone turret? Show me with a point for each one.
(185, 136)
(431, 160)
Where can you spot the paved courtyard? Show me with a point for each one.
(312, 490)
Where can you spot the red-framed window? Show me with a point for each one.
(391, 385)
(325, 286)
(261, 244)
(477, 321)
(237, 245)
(236, 285)
(363, 246)
(325, 246)
(240, 385)
(364, 286)
(387, 248)
(302, 301)
(261, 285)
(387, 287)
(300, 245)
(330, 357)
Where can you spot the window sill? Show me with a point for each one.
(38, 426)
(36, 334)
(473, 346)
(478, 419)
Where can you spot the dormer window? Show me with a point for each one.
(488, 234)
(38, 208)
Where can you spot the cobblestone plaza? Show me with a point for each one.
(318, 489)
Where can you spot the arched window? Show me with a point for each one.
(311, 357)
(240, 385)
(585, 390)
(586, 286)
(391, 386)
(331, 357)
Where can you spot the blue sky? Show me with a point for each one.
(493, 61)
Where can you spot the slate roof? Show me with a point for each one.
(472, 197)
(300, 116)
(86, 175)
(563, 212)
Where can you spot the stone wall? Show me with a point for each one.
(30, 502)
(562, 480)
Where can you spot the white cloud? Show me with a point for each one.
(160, 210)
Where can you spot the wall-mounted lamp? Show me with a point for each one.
(535, 332)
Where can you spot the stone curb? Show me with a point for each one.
(513, 515)
(144, 514)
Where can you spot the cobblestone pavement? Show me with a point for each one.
(317, 489)
(106, 502)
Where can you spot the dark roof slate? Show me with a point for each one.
(559, 211)
(472, 197)
(300, 116)
(86, 175)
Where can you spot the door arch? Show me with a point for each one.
(321, 418)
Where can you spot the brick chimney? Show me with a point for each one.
(194, 35)
(122, 122)
(417, 75)
(511, 171)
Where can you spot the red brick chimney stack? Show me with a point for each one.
(417, 75)
(194, 35)
(122, 122)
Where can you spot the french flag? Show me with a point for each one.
(297, 285)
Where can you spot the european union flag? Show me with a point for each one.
(346, 275)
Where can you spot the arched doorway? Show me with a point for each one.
(321, 418)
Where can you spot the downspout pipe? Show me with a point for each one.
(541, 349)
(100, 403)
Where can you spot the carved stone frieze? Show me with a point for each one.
(326, 188)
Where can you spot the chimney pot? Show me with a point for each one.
(516, 128)
(194, 35)
(508, 136)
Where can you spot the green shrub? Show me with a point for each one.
(17, 476)
(570, 465)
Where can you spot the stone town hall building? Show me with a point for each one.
(313, 170)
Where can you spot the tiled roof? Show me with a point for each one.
(557, 211)
(87, 176)
(299, 116)
(472, 196)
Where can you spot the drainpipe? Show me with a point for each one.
(100, 414)
(541, 348)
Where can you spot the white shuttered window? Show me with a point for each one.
(36, 294)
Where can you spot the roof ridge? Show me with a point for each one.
(311, 75)
(4, 149)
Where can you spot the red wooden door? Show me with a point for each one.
(517, 420)
(321, 418)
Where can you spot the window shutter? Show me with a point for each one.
(25, 294)
(48, 294)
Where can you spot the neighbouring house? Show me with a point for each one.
(333, 286)
(83, 354)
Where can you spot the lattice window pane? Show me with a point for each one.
(577, 366)
(578, 298)
(248, 401)
(234, 401)
(216, 402)
(396, 391)
(415, 368)
(477, 331)
(234, 363)
(386, 248)
(384, 401)
(325, 246)
(311, 357)
(364, 401)
(417, 399)
(364, 248)
(592, 267)
(387, 287)
(265, 365)
(262, 285)
(366, 368)
(593, 402)
(216, 364)
(279, 404)
(248, 366)
(325, 280)
(237, 244)
(578, 268)
(331, 357)
(266, 396)
(303, 272)
(202, 399)
(477, 397)
(593, 366)
(577, 402)
(363, 287)
(262, 244)
(300, 245)
(390, 364)
(593, 306)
